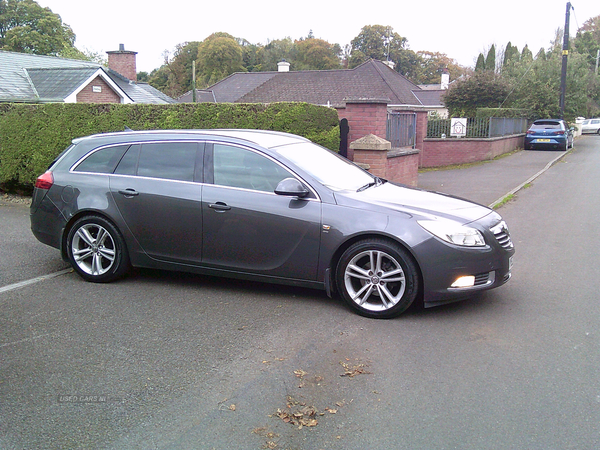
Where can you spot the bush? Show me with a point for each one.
(31, 136)
(511, 113)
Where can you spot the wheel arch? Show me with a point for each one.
(73, 219)
(335, 258)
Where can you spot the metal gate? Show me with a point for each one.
(401, 129)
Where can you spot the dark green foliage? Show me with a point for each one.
(483, 90)
(31, 136)
(490, 59)
(480, 65)
(483, 113)
(27, 27)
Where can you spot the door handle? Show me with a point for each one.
(219, 206)
(129, 192)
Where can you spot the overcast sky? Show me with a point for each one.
(461, 29)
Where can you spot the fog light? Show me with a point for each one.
(463, 282)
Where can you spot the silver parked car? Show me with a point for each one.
(590, 126)
(265, 206)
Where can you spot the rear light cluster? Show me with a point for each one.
(45, 181)
(560, 132)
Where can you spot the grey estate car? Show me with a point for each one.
(266, 206)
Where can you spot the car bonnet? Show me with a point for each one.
(415, 202)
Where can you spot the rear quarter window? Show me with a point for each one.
(102, 161)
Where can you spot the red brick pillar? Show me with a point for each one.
(372, 151)
(421, 131)
(365, 116)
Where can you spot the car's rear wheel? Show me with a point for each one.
(97, 250)
(377, 278)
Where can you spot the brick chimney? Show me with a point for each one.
(123, 61)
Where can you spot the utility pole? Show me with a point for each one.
(565, 55)
(194, 81)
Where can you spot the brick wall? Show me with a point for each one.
(445, 152)
(365, 116)
(107, 95)
(377, 156)
(403, 168)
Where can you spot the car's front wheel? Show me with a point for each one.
(97, 250)
(377, 278)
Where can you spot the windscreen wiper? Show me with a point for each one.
(376, 182)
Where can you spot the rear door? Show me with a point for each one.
(157, 188)
(249, 228)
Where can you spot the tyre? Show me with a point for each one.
(377, 278)
(96, 250)
(526, 146)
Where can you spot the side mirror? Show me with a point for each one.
(291, 187)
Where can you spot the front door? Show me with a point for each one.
(249, 228)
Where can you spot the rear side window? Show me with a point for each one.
(169, 160)
(102, 161)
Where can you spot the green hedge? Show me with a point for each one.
(31, 136)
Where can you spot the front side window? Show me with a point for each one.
(242, 168)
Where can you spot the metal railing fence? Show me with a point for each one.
(479, 128)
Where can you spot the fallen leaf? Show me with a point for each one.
(300, 373)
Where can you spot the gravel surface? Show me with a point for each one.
(14, 198)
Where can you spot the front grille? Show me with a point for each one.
(502, 235)
(481, 279)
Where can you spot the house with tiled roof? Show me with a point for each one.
(372, 79)
(28, 78)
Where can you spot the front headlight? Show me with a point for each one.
(454, 233)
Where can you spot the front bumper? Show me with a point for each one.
(452, 273)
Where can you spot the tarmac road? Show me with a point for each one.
(161, 360)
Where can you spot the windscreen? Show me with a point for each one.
(327, 167)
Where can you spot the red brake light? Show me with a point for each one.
(530, 132)
(45, 181)
(559, 132)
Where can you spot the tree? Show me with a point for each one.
(26, 27)
(587, 41)
(174, 77)
(219, 56)
(490, 59)
(511, 55)
(483, 90)
(377, 42)
(537, 87)
(526, 54)
(431, 66)
(277, 51)
(317, 54)
(480, 65)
